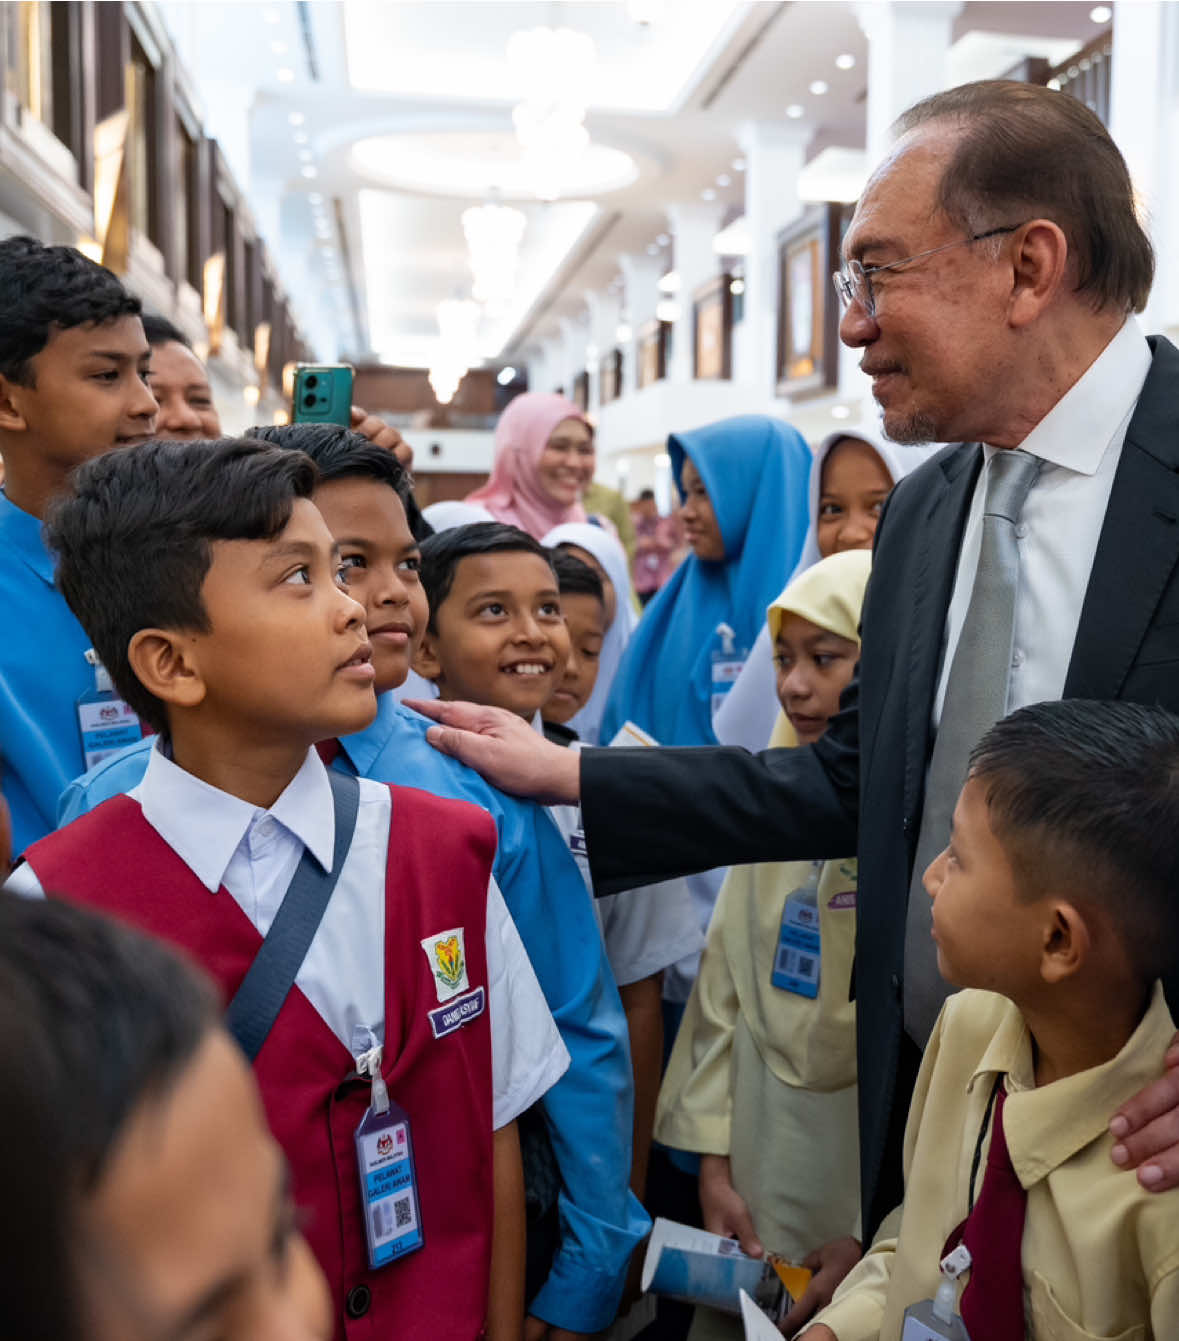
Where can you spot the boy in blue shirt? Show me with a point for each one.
(73, 364)
(363, 495)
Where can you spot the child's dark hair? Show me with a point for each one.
(1084, 798)
(134, 537)
(95, 1021)
(575, 577)
(43, 289)
(160, 331)
(341, 454)
(442, 553)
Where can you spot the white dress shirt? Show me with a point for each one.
(254, 853)
(1079, 442)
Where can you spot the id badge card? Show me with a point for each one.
(726, 666)
(106, 723)
(388, 1186)
(797, 956)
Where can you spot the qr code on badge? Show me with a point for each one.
(403, 1212)
(393, 1217)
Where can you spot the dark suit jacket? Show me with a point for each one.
(651, 814)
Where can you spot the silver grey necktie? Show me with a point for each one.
(976, 697)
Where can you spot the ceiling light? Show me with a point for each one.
(279, 48)
(301, 137)
(845, 62)
(840, 412)
(818, 87)
(295, 118)
(315, 198)
(623, 333)
(662, 461)
(554, 67)
(724, 179)
(737, 287)
(1100, 14)
(667, 309)
(309, 171)
(669, 283)
(663, 239)
(506, 376)
(286, 75)
(795, 110)
(738, 165)
(708, 194)
(251, 394)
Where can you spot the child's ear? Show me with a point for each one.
(165, 663)
(12, 418)
(1067, 942)
(425, 660)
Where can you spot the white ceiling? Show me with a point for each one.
(406, 113)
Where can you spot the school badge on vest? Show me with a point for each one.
(448, 962)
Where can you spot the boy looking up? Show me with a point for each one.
(1056, 896)
(213, 592)
(73, 364)
(645, 930)
(576, 1271)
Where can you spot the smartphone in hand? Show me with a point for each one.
(322, 394)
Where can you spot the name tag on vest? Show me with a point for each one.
(446, 1019)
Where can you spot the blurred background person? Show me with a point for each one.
(658, 545)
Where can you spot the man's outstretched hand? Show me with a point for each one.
(504, 749)
(1146, 1129)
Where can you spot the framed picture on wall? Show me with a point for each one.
(610, 377)
(652, 352)
(712, 308)
(808, 308)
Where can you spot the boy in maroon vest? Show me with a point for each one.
(211, 589)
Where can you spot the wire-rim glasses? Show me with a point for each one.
(853, 282)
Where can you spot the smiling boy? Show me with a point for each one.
(214, 593)
(585, 1226)
(73, 364)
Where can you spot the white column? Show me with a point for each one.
(774, 156)
(908, 58)
(1144, 120)
(574, 337)
(604, 309)
(693, 226)
(641, 273)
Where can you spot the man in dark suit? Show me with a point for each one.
(990, 275)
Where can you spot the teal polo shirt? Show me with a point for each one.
(43, 672)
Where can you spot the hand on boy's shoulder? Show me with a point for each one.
(504, 749)
(381, 434)
(1146, 1129)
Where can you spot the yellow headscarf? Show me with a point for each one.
(829, 594)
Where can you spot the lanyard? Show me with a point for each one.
(955, 1237)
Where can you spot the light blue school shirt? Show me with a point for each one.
(43, 673)
(589, 1111)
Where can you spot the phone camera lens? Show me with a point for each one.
(311, 381)
(309, 402)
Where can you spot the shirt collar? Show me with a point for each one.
(1079, 428)
(22, 533)
(1047, 1126)
(205, 825)
(363, 748)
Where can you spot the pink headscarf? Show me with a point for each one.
(514, 493)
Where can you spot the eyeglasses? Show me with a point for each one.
(854, 282)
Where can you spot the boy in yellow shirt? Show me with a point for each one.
(1056, 896)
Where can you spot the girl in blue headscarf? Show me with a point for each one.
(743, 483)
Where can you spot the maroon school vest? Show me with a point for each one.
(439, 864)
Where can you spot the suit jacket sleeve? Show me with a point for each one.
(651, 814)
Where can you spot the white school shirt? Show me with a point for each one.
(253, 853)
(1080, 443)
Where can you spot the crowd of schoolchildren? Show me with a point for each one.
(470, 1084)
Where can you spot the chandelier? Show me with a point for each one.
(554, 67)
(458, 325)
(493, 234)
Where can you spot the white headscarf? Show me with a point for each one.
(750, 709)
(609, 553)
(448, 514)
